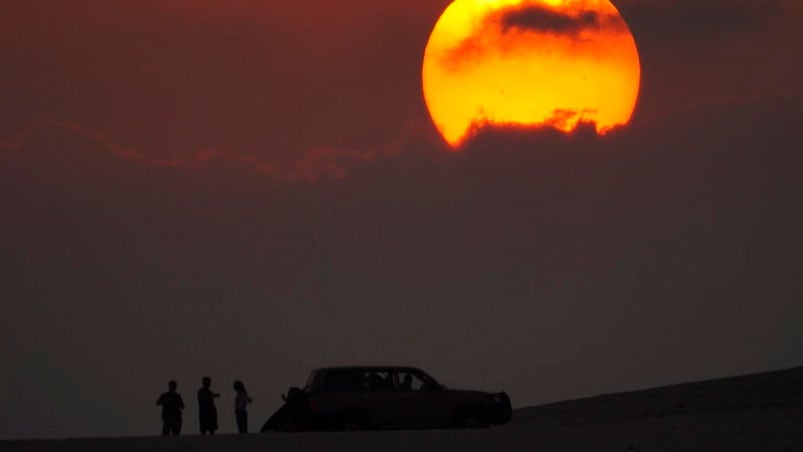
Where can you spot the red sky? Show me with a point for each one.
(172, 78)
(153, 225)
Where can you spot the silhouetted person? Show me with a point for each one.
(240, 402)
(428, 385)
(407, 384)
(207, 413)
(172, 404)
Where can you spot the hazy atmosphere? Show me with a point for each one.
(250, 189)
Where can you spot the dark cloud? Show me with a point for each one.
(542, 19)
(490, 36)
(315, 164)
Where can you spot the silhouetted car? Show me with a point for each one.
(375, 397)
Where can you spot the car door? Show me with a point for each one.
(380, 399)
(423, 401)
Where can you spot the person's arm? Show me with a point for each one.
(181, 402)
(248, 399)
(160, 400)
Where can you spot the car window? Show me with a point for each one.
(378, 381)
(410, 381)
(342, 380)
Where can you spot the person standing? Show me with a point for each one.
(172, 404)
(240, 402)
(207, 413)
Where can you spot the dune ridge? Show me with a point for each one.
(782, 389)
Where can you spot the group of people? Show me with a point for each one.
(172, 406)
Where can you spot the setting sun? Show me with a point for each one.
(530, 63)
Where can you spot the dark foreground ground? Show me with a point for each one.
(754, 413)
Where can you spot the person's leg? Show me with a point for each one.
(165, 427)
(242, 421)
(177, 427)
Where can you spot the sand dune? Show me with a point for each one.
(761, 412)
(771, 391)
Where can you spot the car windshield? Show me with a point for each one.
(311, 379)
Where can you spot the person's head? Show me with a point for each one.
(172, 385)
(206, 381)
(239, 386)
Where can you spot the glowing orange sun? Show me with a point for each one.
(530, 63)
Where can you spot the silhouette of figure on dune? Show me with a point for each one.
(207, 413)
(240, 402)
(172, 404)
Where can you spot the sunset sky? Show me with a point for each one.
(247, 189)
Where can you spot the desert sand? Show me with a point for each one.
(761, 412)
